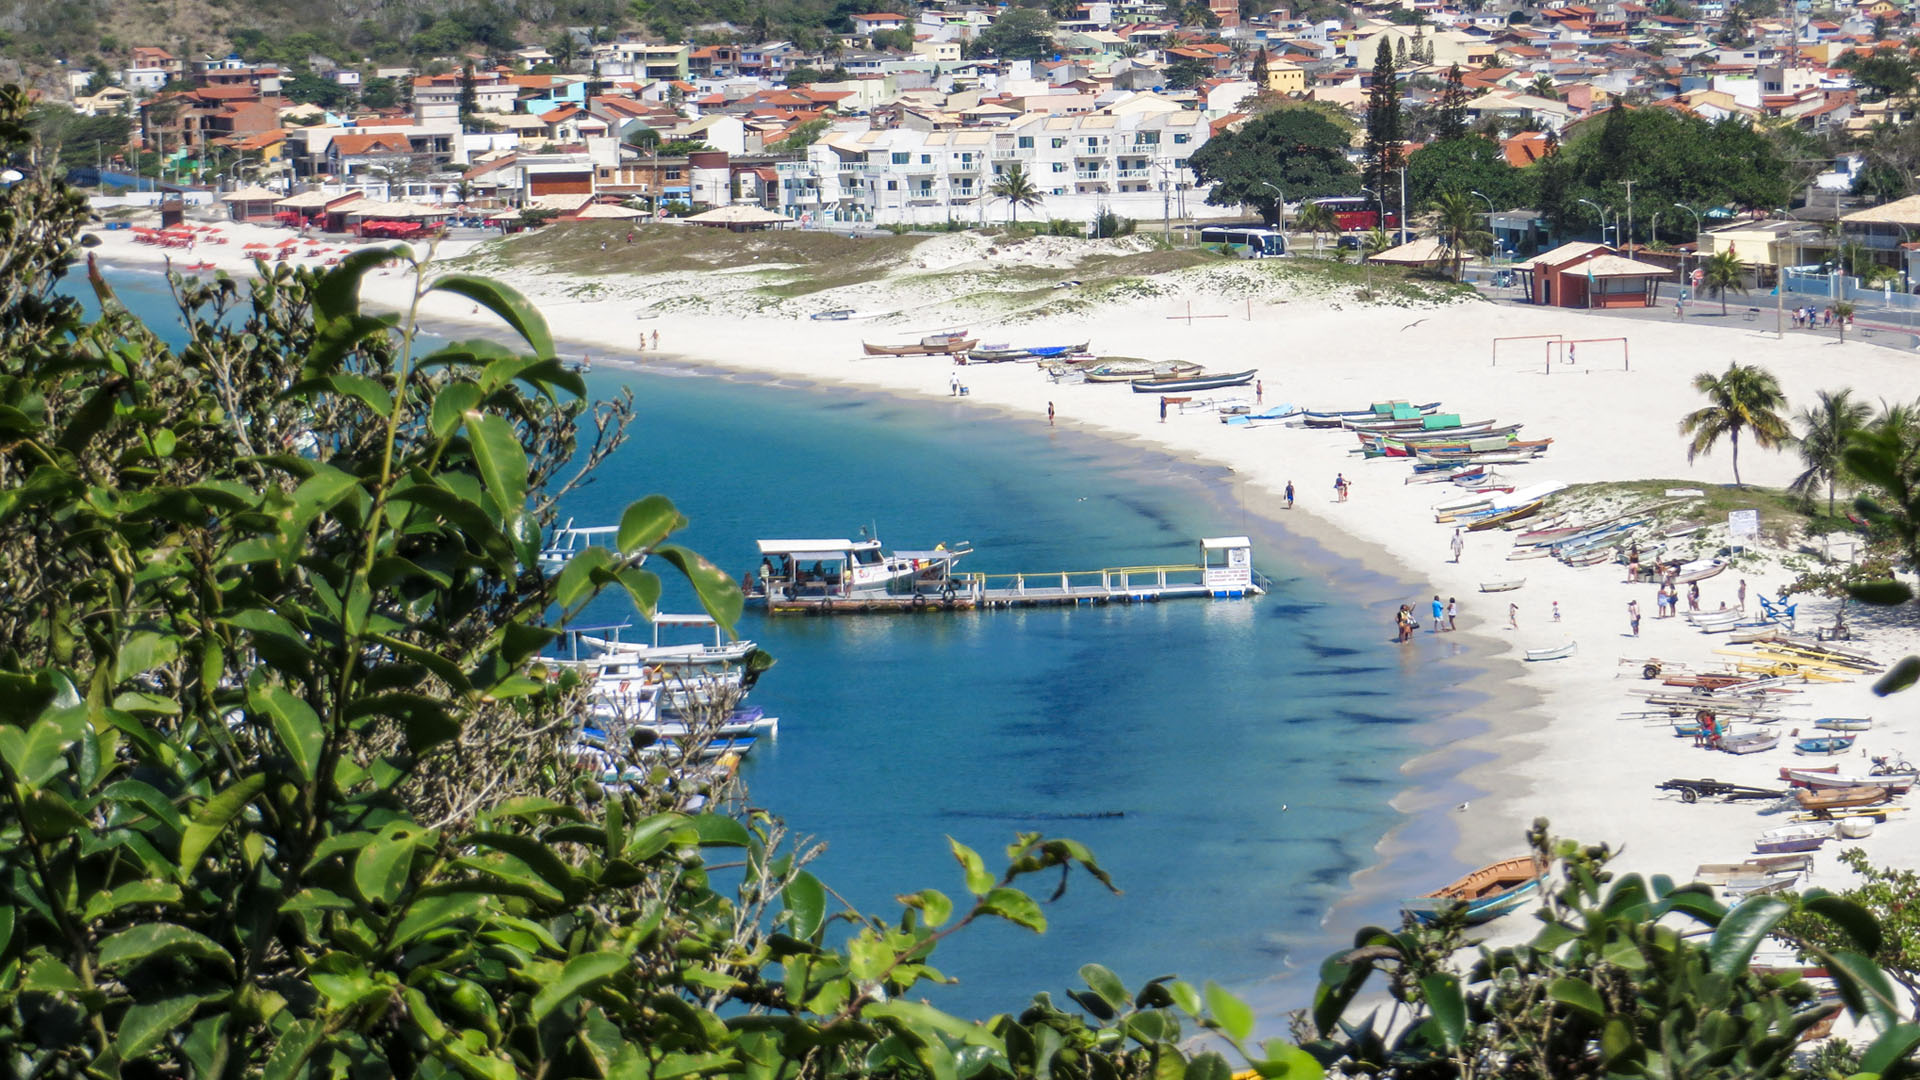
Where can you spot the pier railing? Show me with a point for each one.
(1115, 580)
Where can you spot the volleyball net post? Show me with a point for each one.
(1519, 337)
(1567, 351)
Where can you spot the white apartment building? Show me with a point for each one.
(1134, 164)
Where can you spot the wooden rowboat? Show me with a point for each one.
(1494, 521)
(1841, 798)
(1790, 839)
(1824, 745)
(1558, 652)
(1485, 894)
(930, 347)
(1750, 742)
(1844, 723)
(1203, 382)
(1502, 586)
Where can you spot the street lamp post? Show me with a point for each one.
(1780, 285)
(1281, 206)
(1365, 261)
(1490, 230)
(1686, 282)
(1598, 213)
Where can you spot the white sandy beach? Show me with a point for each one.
(1562, 752)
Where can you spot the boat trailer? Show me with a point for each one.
(1692, 790)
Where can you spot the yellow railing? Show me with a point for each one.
(1112, 579)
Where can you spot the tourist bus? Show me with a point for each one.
(1258, 243)
(1357, 213)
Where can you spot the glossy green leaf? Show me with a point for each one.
(1447, 1007)
(505, 302)
(295, 725)
(646, 523)
(146, 1023)
(643, 588)
(430, 913)
(1864, 987)
(37, 753)
(1890, 1051)
(719, 830)
(1857, 921)
(502, 462)
(1282, 1060)
(1742, 931)
(979, 881)
(1900, 676)
(1880, 593)
(292, 1049)
(383, 867)
(582, 973)
(1105, 983)
(1578, 995)
(149, 941)
(719, 594)
(576, 580)
(1209, 1066)
(212, 819)
(1232, 1014)
(450, 406)
(805, 900)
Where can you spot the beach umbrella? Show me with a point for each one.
(291, 241)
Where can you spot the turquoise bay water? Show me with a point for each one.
(1229, 762)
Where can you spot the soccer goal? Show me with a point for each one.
(1598, 351)
(1520, 337)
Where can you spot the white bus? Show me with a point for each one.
(1256, 243)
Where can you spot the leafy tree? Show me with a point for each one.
(1018, 34)
(1825, 431)
(78, 139)
(1893, 897)
(1671, 157)
(900, 41)
(1107, 224)
(1260, 73)
(1188, 72)
(1459, 228)
(1452, 120)
(1466, 164)
(1376, 241)
(379, 93)
(1384, 139)
(310, 89)
(1884, 74)
(1543, 86)
(1017, 188)
(1742, 398)
(469, 95)
(1295, 150)
(284, 786)
(1609, 986)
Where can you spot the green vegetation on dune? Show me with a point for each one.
(598, 249)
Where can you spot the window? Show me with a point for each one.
(902, 159)
(926, 159)
(893, 185)
(1182, 139)
(1147, 138)
(1059, 141)
(926, 187)
(1024, 142)
(1059, 166)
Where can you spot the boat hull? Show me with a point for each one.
(1485, 894)
(1181, 386)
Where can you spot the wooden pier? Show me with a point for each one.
(1225, 571)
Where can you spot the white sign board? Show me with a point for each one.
(1743, 524)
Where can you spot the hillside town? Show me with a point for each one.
(917, 120)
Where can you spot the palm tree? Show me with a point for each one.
(1459, 228)
(1842, 312)
(1825, 431)
(1316, 218)
(1017, 188)
(1744, 398)
(1543, 86)
(1721, 272)
(1376, 241)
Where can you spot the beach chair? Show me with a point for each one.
(1778, 611)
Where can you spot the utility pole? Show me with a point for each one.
(1403, 204)
(1629, 185)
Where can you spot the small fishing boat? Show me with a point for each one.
(998, 354)
(1844, 723)
(1753, 636)
(1750, 742)
(1486, 894)
(1791, 839)
(605, 641)
(1495, 520)
(1856, 828)
(1558, 652)
(1502, 586)
(1827, 799)
(1519, 554)
(1134, 371)
(1699, 570)
(836, 315)
(1831, 779)
(954, 341)
(1824, 745)
(1203, 382)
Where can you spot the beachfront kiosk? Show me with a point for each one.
(1227, 567)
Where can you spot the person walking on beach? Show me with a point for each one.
(1290, 503)
(1453, 609)
(1340, 485)
(1556, 611)
(1693, 597)
(1400, 625)
(1259, 391)
(1458, 545)
(1633, 616)
(1163, 410)
(1743, 594)
(1439, 612)
(656, 339)
(953, 384)
(1049, 414)
(1513, 616)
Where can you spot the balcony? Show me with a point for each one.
(973, 166)
(1010, 155)
(1135, 174)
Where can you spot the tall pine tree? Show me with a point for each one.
(1384, 137)
(1260, 69)
(1452, 121)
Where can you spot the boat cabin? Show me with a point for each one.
(1227, 566)
(568, 541)
(798, 568)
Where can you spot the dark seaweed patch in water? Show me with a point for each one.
(1319, 672)
(1363, 781)
(1282, 609)
(1370, 718)
(1160, 519)
(838, 406)
(1036, 815)
(1327, 652)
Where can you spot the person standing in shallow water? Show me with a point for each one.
(1453, 609)
(1289, 494)
(1049, 414)
(1439, 613)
